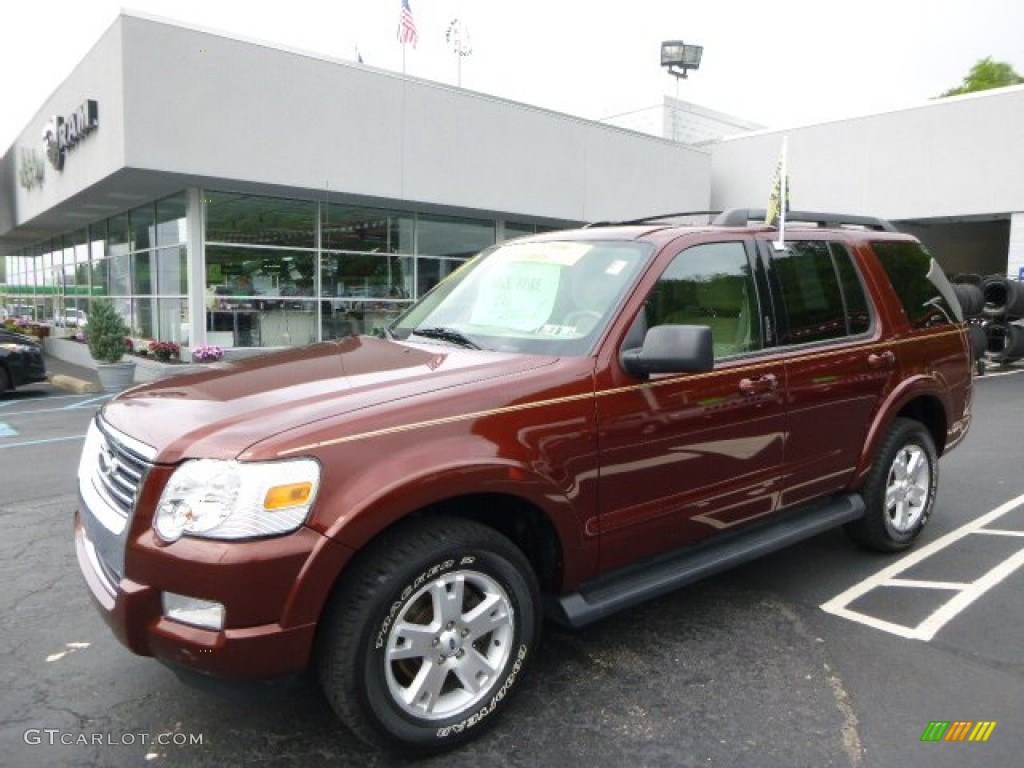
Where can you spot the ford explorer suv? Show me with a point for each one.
(568, 425)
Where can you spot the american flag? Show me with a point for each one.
(407, 26)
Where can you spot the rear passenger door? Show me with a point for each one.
(837, 370)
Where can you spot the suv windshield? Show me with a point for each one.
(537, 297)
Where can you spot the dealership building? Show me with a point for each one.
(226, 191)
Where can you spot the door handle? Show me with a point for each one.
(880, 360)
(757, 385)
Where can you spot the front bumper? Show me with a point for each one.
(272, 589)
(134, 612)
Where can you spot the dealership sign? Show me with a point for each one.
(31, 167)
(62, 134)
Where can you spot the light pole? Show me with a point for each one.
(679, 58)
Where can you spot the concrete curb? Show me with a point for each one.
(71, 384)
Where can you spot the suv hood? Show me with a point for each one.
(221, 411)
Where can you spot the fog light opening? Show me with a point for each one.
(207, 614)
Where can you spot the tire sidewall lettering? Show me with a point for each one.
(477, 717)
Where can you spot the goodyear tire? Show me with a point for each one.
(899, 492)
(429, 635)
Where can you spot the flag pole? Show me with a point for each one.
(780, 244)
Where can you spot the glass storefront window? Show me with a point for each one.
(98, 240)
(351, 228)
(430, 272)
(143, 227)
(118, 241)
(119, 276)
(100, 272)
(450, 236)
(245, 274)
(143, 268)
(144, 320)
(251, 219)
(517, 229)
(161, 319)
(172, 270)
(172, 320)
(171, 223)
(366, 276)
(278, 271)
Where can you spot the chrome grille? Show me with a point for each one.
(110, 474)
(119, 473)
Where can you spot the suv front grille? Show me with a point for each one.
(119, 473)
(110, 475)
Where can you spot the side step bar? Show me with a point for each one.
(635, 584)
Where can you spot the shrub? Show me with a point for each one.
(106, 333)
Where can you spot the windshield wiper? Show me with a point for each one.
(448, 334)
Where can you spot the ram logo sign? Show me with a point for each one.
(64, 133)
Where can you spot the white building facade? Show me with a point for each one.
(226, 191)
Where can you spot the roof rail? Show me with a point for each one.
(651, 219)
(741, 217)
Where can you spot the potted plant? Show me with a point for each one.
(164, 350)
(208, 353)
(106, 335)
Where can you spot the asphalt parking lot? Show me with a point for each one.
(821, 655)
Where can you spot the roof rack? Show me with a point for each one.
(651, 219)
(741, 217)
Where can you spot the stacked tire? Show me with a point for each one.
(1003, 313)
(969, 293)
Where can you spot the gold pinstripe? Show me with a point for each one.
(588, 395)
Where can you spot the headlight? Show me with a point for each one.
(232, 500)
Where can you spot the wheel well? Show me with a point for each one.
(928, 411)
(518, 520)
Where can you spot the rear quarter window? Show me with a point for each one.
(919, 283)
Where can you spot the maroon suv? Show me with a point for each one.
(570, 424)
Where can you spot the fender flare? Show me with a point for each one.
(914, 388)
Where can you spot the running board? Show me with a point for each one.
(635, 584)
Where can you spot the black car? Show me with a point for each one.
(21, 360)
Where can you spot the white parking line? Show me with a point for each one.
(57, 409)
(963, 593)
(24, 443)
(997, 374)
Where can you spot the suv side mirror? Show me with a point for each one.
(671, 349)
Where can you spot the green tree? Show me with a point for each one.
(984, 75)
(106, 332)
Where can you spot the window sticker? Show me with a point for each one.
(563, 254)
(519, 296)
(551, 329)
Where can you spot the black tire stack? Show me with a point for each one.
(994, 309)
(969, 293)
(1003, 312)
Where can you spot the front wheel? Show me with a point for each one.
(429, 634)
(899, 492)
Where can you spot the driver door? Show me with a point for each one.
(684, 456)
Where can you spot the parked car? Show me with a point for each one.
(72, 318)
(21, 360)
(572, 423)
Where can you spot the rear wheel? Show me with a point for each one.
(5, 379)
(428, 636)
(900, 489)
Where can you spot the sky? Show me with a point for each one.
(782, 64)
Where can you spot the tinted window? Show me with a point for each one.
(919, 282)
(710, 285)
(858, 316)
(822, 295)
